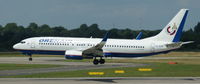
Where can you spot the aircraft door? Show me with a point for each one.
(32, 45)
(153, 47)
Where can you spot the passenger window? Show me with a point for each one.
(22, 42)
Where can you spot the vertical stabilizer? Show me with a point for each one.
(173, 30)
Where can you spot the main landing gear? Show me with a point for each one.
(96, 61)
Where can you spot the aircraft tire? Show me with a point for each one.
(95, 62)
(102, 61)
(30, 59)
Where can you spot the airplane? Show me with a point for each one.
(97, 49)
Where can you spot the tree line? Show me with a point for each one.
(11, 33)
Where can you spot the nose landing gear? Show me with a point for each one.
(30, 56)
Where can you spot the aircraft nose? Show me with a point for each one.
(16, 46)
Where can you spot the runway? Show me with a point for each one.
(106, 80)
(72, 66)
(67, 66)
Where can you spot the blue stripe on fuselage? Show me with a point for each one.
(43, 52)
(110, 54)
(133, 54)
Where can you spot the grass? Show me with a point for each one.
(25, 66)
(159, 70)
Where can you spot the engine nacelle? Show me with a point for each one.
(73, 54)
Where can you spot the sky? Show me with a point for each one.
(121, 14)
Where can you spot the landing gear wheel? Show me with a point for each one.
(102, 61)
(30, 59)
(95, 62)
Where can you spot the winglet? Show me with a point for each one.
(103, 42)
(106, 37)
(139, 36)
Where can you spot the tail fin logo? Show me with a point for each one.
(172, 30)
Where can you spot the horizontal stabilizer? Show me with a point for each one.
(177, 44)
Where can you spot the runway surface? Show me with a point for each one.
(67, 66)
(71, 66)
(106, 80)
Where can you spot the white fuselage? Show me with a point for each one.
(113, 47)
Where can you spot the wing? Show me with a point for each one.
(89, 53)
(97, 50)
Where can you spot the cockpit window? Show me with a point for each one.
(22, 42)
